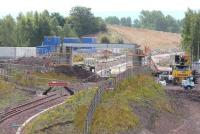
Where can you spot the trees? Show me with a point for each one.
(83, 21)
(29, 29)
(59, 18)
(7, 31)
(154, 20)
(158, 21)
(126, 21)
(113, 20)
(191, 33)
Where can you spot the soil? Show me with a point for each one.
(185, 119)
(144, 37)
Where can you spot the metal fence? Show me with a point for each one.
(111, 83)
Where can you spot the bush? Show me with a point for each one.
(120, 41)
(77, 58)
(105, 39)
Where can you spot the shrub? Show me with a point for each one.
(105, 39)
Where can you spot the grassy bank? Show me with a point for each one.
(10, 96)
(65, 118)
(40, 79)
(117, 113)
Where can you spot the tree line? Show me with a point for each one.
(124, 21)
(30, 28)
(154, 20)
(191, 33)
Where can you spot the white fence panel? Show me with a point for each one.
(25, 52)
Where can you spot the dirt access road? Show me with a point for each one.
(190, 122)
(187, 120)
(190, 125)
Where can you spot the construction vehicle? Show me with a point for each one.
(181, 70)
(188, 83)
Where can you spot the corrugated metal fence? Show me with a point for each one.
(106, 85)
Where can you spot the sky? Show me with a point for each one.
(102, 8)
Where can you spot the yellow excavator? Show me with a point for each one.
(181, 70)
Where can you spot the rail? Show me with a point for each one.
(30, 105)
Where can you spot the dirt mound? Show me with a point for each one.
(144, 37)
(34, 61)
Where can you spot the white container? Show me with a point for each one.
(17, 52)
(25, 52)
(116, 50)
(7, 52)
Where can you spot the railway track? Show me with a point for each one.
(29, 105)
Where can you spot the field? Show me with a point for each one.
(144, 37)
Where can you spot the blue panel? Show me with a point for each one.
(71, 40)
(51, 48)
(41, 50)
(90, 40)
(51, 40)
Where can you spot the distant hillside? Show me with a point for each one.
(143, 37)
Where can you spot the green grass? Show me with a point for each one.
(37, 79)
(10, 96)
(113, 115)
(65, 118)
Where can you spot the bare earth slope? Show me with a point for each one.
(144, 37)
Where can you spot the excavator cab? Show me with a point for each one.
(181, 70)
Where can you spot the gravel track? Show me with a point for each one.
(188, 103)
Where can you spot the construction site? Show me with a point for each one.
(50, 73)
(82, 74)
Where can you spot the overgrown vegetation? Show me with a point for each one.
(9, 95)
(115, 114)
(78, 58)
(110, 37)
(40, 79)
(30, 28)
(191, 33)
(67, 118)
(105, 39)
